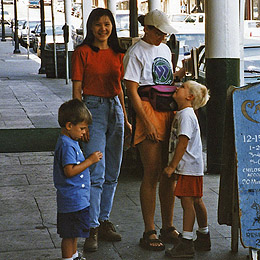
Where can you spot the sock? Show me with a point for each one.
(75, 255)
(187, 235)
(67, 258)
(204, 230)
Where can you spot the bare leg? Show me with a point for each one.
(68, 247)
(166, 190)
(150, 153)
(201, 213)
(188, 213)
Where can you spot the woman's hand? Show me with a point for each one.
(85, 137)
(128, 128)
(168, 171)
(151, 132)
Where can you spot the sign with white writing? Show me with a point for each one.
(246, 110)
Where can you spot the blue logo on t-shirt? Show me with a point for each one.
(162, 73)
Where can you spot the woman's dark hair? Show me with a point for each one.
(141, 19)
(112, 40)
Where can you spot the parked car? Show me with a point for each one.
(78, 11)
(7, 16)
(177, 17)
(77, 36)
(8, 29)
(251, 61)
(251, 28)
(177, 20)
(22, 35)
(59, 39)
(192, 23)
(191, 40)
(123, 24)
(34, 3)
(74, 7)
(8, 1)
(47, 2)
(60, 7)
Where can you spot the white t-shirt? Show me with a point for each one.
(148, 64)
(186, 123)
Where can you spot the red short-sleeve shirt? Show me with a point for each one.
(100, 72)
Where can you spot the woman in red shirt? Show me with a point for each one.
(97, 71)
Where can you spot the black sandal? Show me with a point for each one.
(167, 237)
(147, 243)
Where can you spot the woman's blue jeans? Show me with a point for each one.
(107, 136)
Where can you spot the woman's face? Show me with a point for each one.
(154, 36)
(102, 29)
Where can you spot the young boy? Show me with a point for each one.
(186, 163)
(71, 177)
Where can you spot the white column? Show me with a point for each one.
(241, 19)
(111, 5)
(222, 29)
(223, 61)
(154, 4)
(86, 10)
(67, 10)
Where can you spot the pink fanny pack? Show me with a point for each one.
(160, 97)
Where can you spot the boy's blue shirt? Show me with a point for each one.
(73, 193)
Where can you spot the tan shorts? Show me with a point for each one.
(189, 186)
(161, 120)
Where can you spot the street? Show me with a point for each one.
(33, 14)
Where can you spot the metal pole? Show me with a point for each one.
(54, 41)
(133, 18)
(68, 42)
(43, 39)
(65, 31)
(3, 24)
(28, 39)
(16, 41)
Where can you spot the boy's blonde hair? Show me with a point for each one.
(200, 93)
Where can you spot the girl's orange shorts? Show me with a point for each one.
(189, 186)
(161, 120)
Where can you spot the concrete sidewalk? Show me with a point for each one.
(27, 195)
(28, 101)
(28, 215)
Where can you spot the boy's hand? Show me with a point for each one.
(168, 171)
(95, 157)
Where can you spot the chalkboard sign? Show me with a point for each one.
(246, 111)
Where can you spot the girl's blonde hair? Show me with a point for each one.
(200, 93)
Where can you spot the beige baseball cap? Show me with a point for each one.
(159, 20)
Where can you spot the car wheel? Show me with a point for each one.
(35, 47)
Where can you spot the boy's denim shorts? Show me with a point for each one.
(73, 224)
